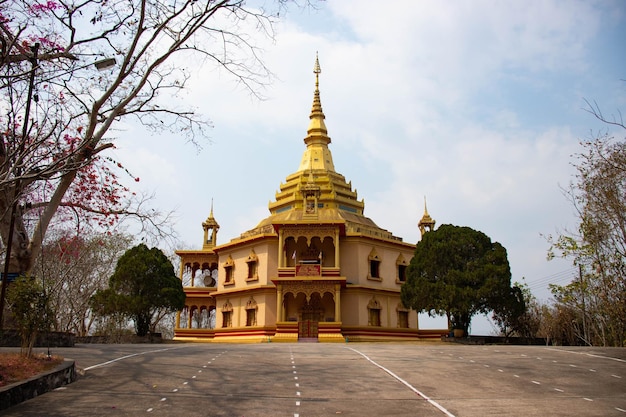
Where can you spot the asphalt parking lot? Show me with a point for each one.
(352, 379)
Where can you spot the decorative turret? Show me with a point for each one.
(426, 224)
(210, 228)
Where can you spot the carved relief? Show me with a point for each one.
(308, 288)
(309, 232)
(374, 304)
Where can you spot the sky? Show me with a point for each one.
(475, 106)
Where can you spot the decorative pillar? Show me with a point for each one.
(337, 263)
(279, 303)
(189, 319)
(337, 302)
(281, 252)
(177, 319)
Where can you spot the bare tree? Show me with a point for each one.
(72, 268)
(58, 109)
(598, 247)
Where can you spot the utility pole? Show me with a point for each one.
(16, 192)
(582, 293)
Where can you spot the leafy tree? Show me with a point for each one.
(28, 302)
(143, 286)
(459, 272)
(525, 317)
(509, 311)
(598, 298)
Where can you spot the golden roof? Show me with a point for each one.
(316, 180)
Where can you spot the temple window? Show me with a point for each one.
(253, 266)
(229, 267)
(251, 310)
(375, 269)
(374, 265)
(401, 266)
(403, 316)
(228, 274)
(251, 317)
(227, 315)
(402, 273)
(373, 312)
(227, 318)
(253, 270)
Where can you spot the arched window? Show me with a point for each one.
(403, 316)
(229, 271)
(401, 265)
(251, 310)
(227, 314)
(253, 266)
(373, 312)
(374, 265)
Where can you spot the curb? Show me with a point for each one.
(63, 374)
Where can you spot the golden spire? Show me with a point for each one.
(317, 154)
(427, 223)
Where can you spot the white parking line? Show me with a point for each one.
(587, 354)
(412, 388)
(130, 356)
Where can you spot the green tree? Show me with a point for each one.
(28, 302)
(509, 311)
(142, 287)
(459, 272)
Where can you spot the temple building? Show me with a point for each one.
(315, 269)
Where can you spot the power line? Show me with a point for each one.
(564, 276)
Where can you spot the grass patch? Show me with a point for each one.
(15, 367)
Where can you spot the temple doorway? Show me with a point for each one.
(310, 314)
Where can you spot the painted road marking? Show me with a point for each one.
(411, 387)
(587, 354)
(130, 356)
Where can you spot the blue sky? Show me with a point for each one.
(476, 105)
